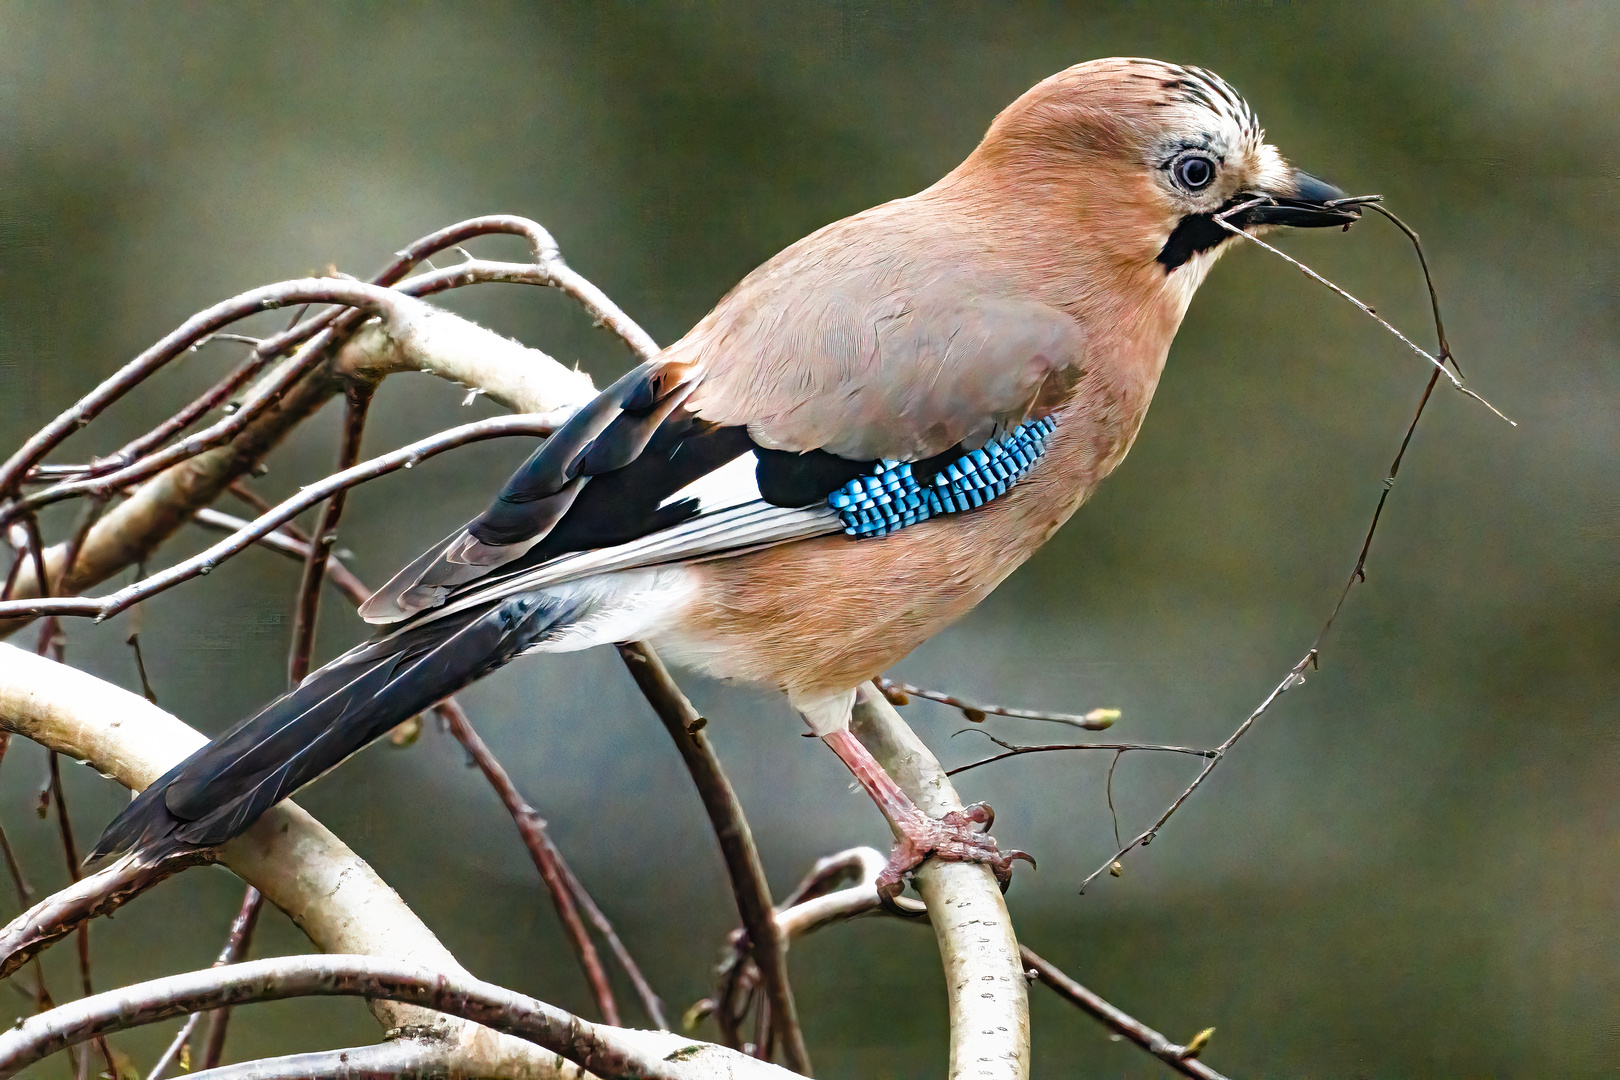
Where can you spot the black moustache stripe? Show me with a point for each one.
(1197, 233)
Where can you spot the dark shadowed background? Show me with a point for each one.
(1408, 868)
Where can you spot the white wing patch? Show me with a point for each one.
(732, 484)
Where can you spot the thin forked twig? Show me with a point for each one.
(1015, 749)
(337, 322)
(650, 1001)
(292, 542)
(547, 859)
(25, 899)
(235, 947)
(809, 908)
(358, 401)
(899, 692)
(70, 851)
(1296, 675)
(1220, 219)
(747, 873)
(298, 291)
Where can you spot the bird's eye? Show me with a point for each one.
(1195, 172)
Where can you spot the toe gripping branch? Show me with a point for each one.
(960, 836)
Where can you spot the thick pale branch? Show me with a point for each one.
(984, 980)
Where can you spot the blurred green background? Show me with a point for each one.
(1408, 868)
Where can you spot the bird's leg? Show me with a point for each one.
(960, 836)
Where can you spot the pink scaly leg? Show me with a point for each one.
(960, 836)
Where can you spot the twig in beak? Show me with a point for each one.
(1220, 219)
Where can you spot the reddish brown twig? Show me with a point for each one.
(547, 859)
(899, 693)
(358, 401)
(299, 291)
(650, 1001)
(404, 458)
(134, 643)
(25, 899)
(748, 882)
(291, 541)
(236, 947)
(1183, 1059)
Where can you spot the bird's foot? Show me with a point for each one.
(960, 836)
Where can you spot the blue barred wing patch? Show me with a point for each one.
(891, 498)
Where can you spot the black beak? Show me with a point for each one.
(1312, 204)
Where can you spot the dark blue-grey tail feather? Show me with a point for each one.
(220, 790)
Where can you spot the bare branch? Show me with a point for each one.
(453, 993)
(419, 338)
(88, 897)
(399, 1059)
(650, 1000)
(1439, 365)
(1180, 1058)
(1295, 677)
(800, 916)
(289, 541)
(1297, 674)
(265, 298)
(236, 947)
(747, 873)
(547, 859)
(1016, 749)
(404, 458)
(309, 587)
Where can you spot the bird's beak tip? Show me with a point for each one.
(1309, 204)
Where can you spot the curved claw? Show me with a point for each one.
(888, 892)
(979, 813)
(1004, 867)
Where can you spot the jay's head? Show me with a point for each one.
(1140, 157)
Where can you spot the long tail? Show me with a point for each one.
(220, 790)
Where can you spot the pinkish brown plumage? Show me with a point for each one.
(695, 502)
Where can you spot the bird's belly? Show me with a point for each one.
(824, 615)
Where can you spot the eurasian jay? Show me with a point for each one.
(856, 445)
